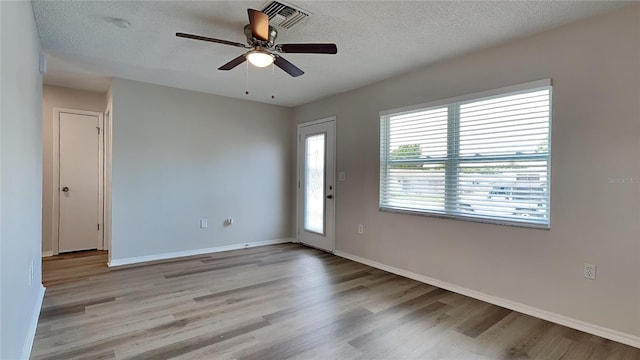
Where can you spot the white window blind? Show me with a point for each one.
(484, 157)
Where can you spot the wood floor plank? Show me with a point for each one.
(422, 314)
(210, 268)
(67, 309)
(242, 289)
(314, 338)
(186, 346)
(283, 301)
(481, 322)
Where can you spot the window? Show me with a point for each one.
(483, 157)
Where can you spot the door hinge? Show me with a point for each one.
(98, 227)
(97, 127)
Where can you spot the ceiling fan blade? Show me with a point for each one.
(204, 38)
(259, 24)
(308, 48)
(233, 63)
(288, 67)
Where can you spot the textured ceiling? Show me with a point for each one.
(375, 39)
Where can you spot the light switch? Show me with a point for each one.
(203, 224)
(341, 176)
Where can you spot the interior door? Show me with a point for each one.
(78, 218)
(316, 186)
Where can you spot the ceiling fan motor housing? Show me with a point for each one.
(252, 41)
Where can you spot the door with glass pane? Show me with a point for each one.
(316, 187)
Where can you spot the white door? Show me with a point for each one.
(79, 160)
(316, 187)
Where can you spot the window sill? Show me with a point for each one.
(468, 218)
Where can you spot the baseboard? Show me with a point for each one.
(178, 254)
(607, 333)
(33, 325)
(47, 253)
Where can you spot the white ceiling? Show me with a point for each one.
(375, 39)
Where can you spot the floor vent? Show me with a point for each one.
(283, 15)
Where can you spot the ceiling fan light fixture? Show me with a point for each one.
(260, 58)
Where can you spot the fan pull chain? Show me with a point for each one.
(273, 67)
(246, 84)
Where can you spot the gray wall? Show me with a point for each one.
(595, 68)
(181, 156)
(20, 179)
(59, 97)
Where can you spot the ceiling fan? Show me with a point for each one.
(261, 38)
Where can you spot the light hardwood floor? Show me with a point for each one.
(285, 302)
(73, 266)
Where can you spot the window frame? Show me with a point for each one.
(452, 161)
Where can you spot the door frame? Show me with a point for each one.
(108, 140)
(56, 176)
(299, 194)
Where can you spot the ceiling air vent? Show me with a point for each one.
(283, 15)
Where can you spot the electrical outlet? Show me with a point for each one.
(228, 221)
(204, 224)
(360, 229)
(590, 271)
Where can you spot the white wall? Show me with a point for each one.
(60, 97)
(181, 156)
(595, 68)
(20, 179)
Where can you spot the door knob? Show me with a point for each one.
(65, 189)
(329, 196)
